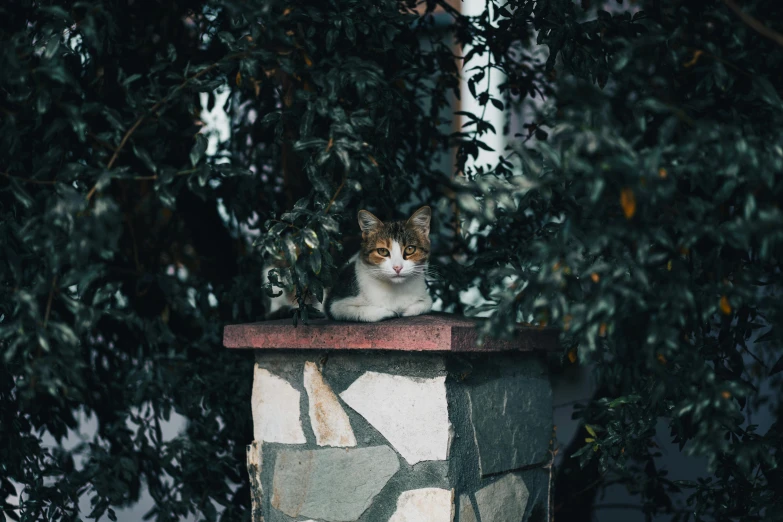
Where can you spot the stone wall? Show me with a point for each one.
(357, 436)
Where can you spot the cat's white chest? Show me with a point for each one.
(395, 297)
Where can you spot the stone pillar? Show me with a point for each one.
(407, 420)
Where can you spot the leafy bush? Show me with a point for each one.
(638, 210)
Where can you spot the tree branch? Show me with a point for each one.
(337, 193)
(619, 505)
(449, 9)
(157, 106)
(754, 23)
(49, 301)
(28, 180)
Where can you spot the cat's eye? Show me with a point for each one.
(383, 252)
(409, 250)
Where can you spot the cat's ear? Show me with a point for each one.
(421, 219)
(368, 223)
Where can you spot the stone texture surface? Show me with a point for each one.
(313, 483)
(512, 418)
(328, 419)
(425, 505)
(432, 332)
(504, 500)
(330, 484)
(411, 412)
(275, 405)
(254, 462)
(466, 512)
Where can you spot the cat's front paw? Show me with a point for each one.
(418, 308)
(373, 314)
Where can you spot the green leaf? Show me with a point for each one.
(270, 117)
(289, 248)
(315, 261)
(52, 46)
(620, 59)
(198, 150)
(145, 158)
(766, 91)
(310, 238)
(777, 367)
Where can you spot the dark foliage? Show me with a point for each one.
(639, 210)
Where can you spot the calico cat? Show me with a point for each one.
(386, 278)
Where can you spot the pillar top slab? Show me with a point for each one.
(426, 333)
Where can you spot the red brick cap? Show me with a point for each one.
(434, 332)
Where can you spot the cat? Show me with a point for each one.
(386, 278)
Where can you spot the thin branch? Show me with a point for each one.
(724, 62)
(49, 301)
(286, 223)
(449, 9)
(156, 176)
(331, 201)
(619, 505)
(132, 231)
(28, 180)
(157, 106)
(100, 142)
(755, 23)
(756, 357)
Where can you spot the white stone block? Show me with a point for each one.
(425, 505)
(410, 412)
(329, 421)
(275, 405)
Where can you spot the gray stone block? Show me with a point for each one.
(511, 415)
(333, 484)
(466, 512)
(504, 500)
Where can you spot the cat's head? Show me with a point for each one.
(396, 251)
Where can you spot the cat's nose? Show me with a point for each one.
(397, 268)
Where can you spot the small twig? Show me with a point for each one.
(721, 60)
(144, 178)
(331, 201)
(157, 106)
(755, 23)
(619, 505)
(132, 231)
(747, 350)
(28, 180)
(100, 142)
(49, 301)
(156, 176)
(449, 9)
(285, 223)
(55, 182)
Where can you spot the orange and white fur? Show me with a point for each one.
(386, 278)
